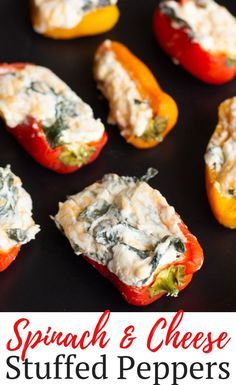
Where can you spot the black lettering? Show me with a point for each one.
(176, 375)
(102, 376)
(26, 364)
(123, 368)
(196, 367)
(80, 368)
(225, 371)
(46, 375)
(158, 376)
(143, 367)
(209, 371)
(11, 366)
(57, 364)
(68, 365)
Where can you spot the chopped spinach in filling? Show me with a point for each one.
(64, 108)
(232, 192)
(170, 12)
(17, 235)
(89, 4)
(16, 224)
(8, 193)
(66, 120)
(91, 213)
(111, 230)
(155, 129)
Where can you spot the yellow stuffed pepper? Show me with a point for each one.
(220, 161)
(68, 19)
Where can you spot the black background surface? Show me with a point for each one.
(46, 275)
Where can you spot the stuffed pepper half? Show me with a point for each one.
(49, 120)
(16, 224)
(130, 234)
(67, 19)
(221, 166)
(144, 113)
(200, 35)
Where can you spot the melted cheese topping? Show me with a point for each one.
(36, 92)
(125, 225)
(221, 150)
(65, 13)
(127, 107)
(213, 26)
(16, 223)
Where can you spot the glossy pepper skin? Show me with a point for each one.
(141, 296)
(162, 104)
(181, 47)
(32, 138)
(223, 207)
(7, 257)
(93, 23)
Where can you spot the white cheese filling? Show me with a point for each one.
(36, 92)
(16, 222)
(213, 26)
(221, 150)
(127, 107)
(125, 225)
(65, 13)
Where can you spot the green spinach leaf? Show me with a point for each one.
(17, 235)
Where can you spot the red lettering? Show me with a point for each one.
(128, 337)
(178, 339)
(152, 335)
(31, 340)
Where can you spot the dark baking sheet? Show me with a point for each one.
(47, 276)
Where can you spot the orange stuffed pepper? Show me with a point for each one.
(144, 113)
(68, 19)
(221, 166)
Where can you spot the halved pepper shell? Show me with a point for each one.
(7, 257)
(140, 296)
(32, 138)
(162, 104)
(180, 46)
(93, 23)
(223, 207)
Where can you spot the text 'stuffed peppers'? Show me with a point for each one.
(48, 119)
(144, 113)
(200, 35)
(68, 19)
(220, 161)
(132, 237)
(17, 226)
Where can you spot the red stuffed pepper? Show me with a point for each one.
(130, 234)
(200, 35)
(16, 224)
(48, 119)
